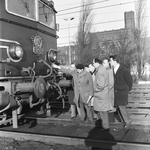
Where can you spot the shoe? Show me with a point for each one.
(127, 124)
(104, 129)
(88, 120)
(73, 117)
(95, 119)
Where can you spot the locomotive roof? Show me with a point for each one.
(49, 4)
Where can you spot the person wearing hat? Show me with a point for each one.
(83, 89)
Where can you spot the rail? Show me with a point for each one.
(139, 104)
(74, 141)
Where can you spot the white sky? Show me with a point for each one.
(102, 16)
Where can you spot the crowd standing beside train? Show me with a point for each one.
(100, 89)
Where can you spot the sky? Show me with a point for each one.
(108, 15)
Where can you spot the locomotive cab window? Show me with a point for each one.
(24, 8)
(46, 15)
(35, 10)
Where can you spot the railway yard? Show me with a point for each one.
(30, 81)
(59, 132)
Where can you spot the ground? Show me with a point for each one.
(10, 144)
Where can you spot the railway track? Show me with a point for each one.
(55, 130)
(84, 135)
(83, 143)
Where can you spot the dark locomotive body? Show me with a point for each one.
(20, 29)
(28, 44)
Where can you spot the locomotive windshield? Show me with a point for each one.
(46, 15)
(24, 8)
(28, 9)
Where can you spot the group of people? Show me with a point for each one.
(99, 89)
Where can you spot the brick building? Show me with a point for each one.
(111, 35)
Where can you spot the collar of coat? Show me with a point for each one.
(82, 73)
(99, 67)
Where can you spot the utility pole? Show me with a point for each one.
(68, 19)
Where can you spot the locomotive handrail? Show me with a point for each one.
(34, 104)
(60, 94)
(48, 75)
(7, 50)
(33, 72)
(9, 41)
(5, 108)
(51, 71)
(28, 70)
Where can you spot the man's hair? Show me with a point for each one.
(104, 58)
(115, 58)
(87, 66)
(96, 60)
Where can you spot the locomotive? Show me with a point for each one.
(28, 47)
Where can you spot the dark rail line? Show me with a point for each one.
(81, 142)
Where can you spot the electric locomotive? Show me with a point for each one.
(28, 43)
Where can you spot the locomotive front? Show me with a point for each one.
(28, 44)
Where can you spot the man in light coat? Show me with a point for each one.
(106, 64)
(101, 93)
(83, 89)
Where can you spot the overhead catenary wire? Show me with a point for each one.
(81, 5)
(78, 3)
(98, 8)
(110, 12)
(102, 23)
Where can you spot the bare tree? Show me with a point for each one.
(140, 34)
(83, 38)
(124, 48)
(120, 45)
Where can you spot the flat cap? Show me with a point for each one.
(80, 66)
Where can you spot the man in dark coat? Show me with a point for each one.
(122, 86)
(83, 89)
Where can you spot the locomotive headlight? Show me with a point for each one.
(15, 53)
(52, 55)
(19, 51)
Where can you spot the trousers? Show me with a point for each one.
(103, 115)
(84, 110)
(123, 113)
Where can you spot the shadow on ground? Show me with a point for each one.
(99, 139)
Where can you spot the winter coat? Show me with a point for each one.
(111, 87)
(83, 84)
(122, 86)
(101, 90)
